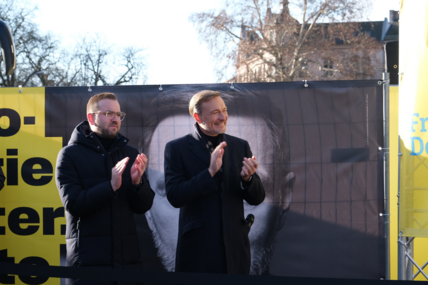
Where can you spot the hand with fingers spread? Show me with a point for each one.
(217, 158)
(116, 173)
(249, 168)
(138, 168)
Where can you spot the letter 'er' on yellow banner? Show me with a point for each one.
(413, 118)
(32, 222)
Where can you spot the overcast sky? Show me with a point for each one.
(175, 54)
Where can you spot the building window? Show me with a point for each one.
(360, 66)
(328, 68)
(303, 72)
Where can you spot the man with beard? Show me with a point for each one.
(170, 120)
(101, 189)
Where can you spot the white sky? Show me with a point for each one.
(174, 53)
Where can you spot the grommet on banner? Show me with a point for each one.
(231, 86)
(89, 88)
(20, 88)
(160, 87)
(306, 83)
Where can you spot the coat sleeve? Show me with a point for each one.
(141, 197)
(179, 190)
(254, 193)
(2, 179)
(76, 201)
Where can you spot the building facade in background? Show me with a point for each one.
(284, 50)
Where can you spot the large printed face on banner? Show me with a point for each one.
(328, 135)
(269, 216)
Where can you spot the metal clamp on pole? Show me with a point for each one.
(160, 87)
(306, 83)
(231, 86)
(89, 88)
(20, 88)
(387, 81)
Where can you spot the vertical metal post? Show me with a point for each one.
(401, 258)
(409, 264)
(401, 240)
(385, 79)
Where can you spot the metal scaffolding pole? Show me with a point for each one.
(401, 244)
(385, 80)
(409, 259)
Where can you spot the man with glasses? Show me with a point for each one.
(102, 183)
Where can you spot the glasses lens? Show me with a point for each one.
(110, 115)
(122, 116)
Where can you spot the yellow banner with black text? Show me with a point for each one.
(32, 223)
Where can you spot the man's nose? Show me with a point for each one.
(222, 117)
(115, 118)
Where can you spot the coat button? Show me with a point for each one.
(102, 154)
(98, 146)
(125, 140)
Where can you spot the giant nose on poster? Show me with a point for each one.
(413, 119)
(32, 226)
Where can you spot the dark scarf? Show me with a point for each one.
(106, 142)
(210, 142)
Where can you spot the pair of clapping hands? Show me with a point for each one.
(137, 171)
(249, 166)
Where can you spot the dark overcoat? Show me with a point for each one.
(100, 228)
(213, 234)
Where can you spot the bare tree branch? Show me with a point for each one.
(278, 47)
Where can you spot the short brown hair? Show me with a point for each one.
(93, 101)
(199, 98)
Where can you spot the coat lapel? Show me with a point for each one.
(226, 159)
(198, 148)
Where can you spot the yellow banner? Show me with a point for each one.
(32, 223)
(413, 119)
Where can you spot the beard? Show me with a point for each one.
(105, 132)
(166, 253)
(261, 246)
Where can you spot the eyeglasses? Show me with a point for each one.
(111, 114)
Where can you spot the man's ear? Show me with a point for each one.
(290, 178)
(197, 118)
(90, 117)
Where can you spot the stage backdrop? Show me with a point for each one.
(318, 155)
